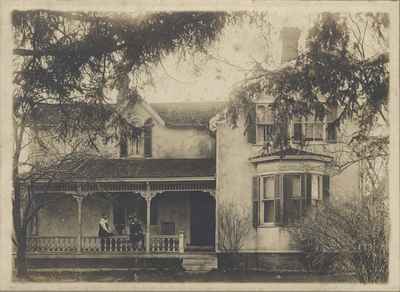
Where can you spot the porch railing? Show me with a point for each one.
(108, 244)
(52, 244)
(112, 244)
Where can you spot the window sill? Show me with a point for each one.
(274, 225)
(268, 225)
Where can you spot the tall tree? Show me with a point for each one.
(337, 65)
(338, 69)
(72, 60)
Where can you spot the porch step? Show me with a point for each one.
(199, 248)
(200, 263)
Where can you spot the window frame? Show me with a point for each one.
(264, 199)
(302, 197)
(327, 123)
(263, 123)
(303, 121)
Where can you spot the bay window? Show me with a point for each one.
(280, 199)
(271, 203)
(295, 197)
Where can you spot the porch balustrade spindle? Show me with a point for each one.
(181, 242)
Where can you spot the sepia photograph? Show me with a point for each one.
(206, 144)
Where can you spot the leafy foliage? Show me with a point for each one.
(334, 70)
(77, 57)
(70, 62)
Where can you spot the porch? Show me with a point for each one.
(177, 214)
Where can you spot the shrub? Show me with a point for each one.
(350, 236)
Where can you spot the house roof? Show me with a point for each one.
(144, 168)
(48, 114)
(174, 114)
(291, 153)
(187, 114)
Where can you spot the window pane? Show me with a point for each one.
(269, 184)
(315, 187)
(331, 114)
(293, 208)
(297, 132)
(269, 211)
(294, 186)
(318, 131)
(268, 132)
(260, 134)
(260, 113)
(309, 131)
(331, 132)
(269, 116)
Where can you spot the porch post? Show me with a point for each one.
(148, 195)
(148, 205)
(79, 200)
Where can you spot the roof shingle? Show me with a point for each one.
(145, 168)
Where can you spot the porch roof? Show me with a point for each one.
(144, 168)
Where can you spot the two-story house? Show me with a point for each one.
(178, 173)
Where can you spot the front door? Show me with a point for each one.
(202, 220)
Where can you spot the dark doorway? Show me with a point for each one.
(125, 205)
(202, 228)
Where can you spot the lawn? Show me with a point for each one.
(164, 276)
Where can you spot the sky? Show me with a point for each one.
(212, 77)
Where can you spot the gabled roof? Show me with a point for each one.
(143, 168)
(174, 114)
(187, 114)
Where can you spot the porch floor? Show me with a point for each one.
(49, 255)
(196, 261)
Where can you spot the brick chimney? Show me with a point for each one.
(290, 41)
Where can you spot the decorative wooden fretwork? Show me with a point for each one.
(182, 186)
(120, 187)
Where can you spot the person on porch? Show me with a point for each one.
(104, 231)
(136, 236)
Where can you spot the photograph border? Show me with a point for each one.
(6, 283)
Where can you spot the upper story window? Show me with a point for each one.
(283, 198)
(302, 130)
(265, 124)
(140, 145)
(309, 129)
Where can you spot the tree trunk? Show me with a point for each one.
(19, 230)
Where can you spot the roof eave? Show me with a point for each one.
(318, 158)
